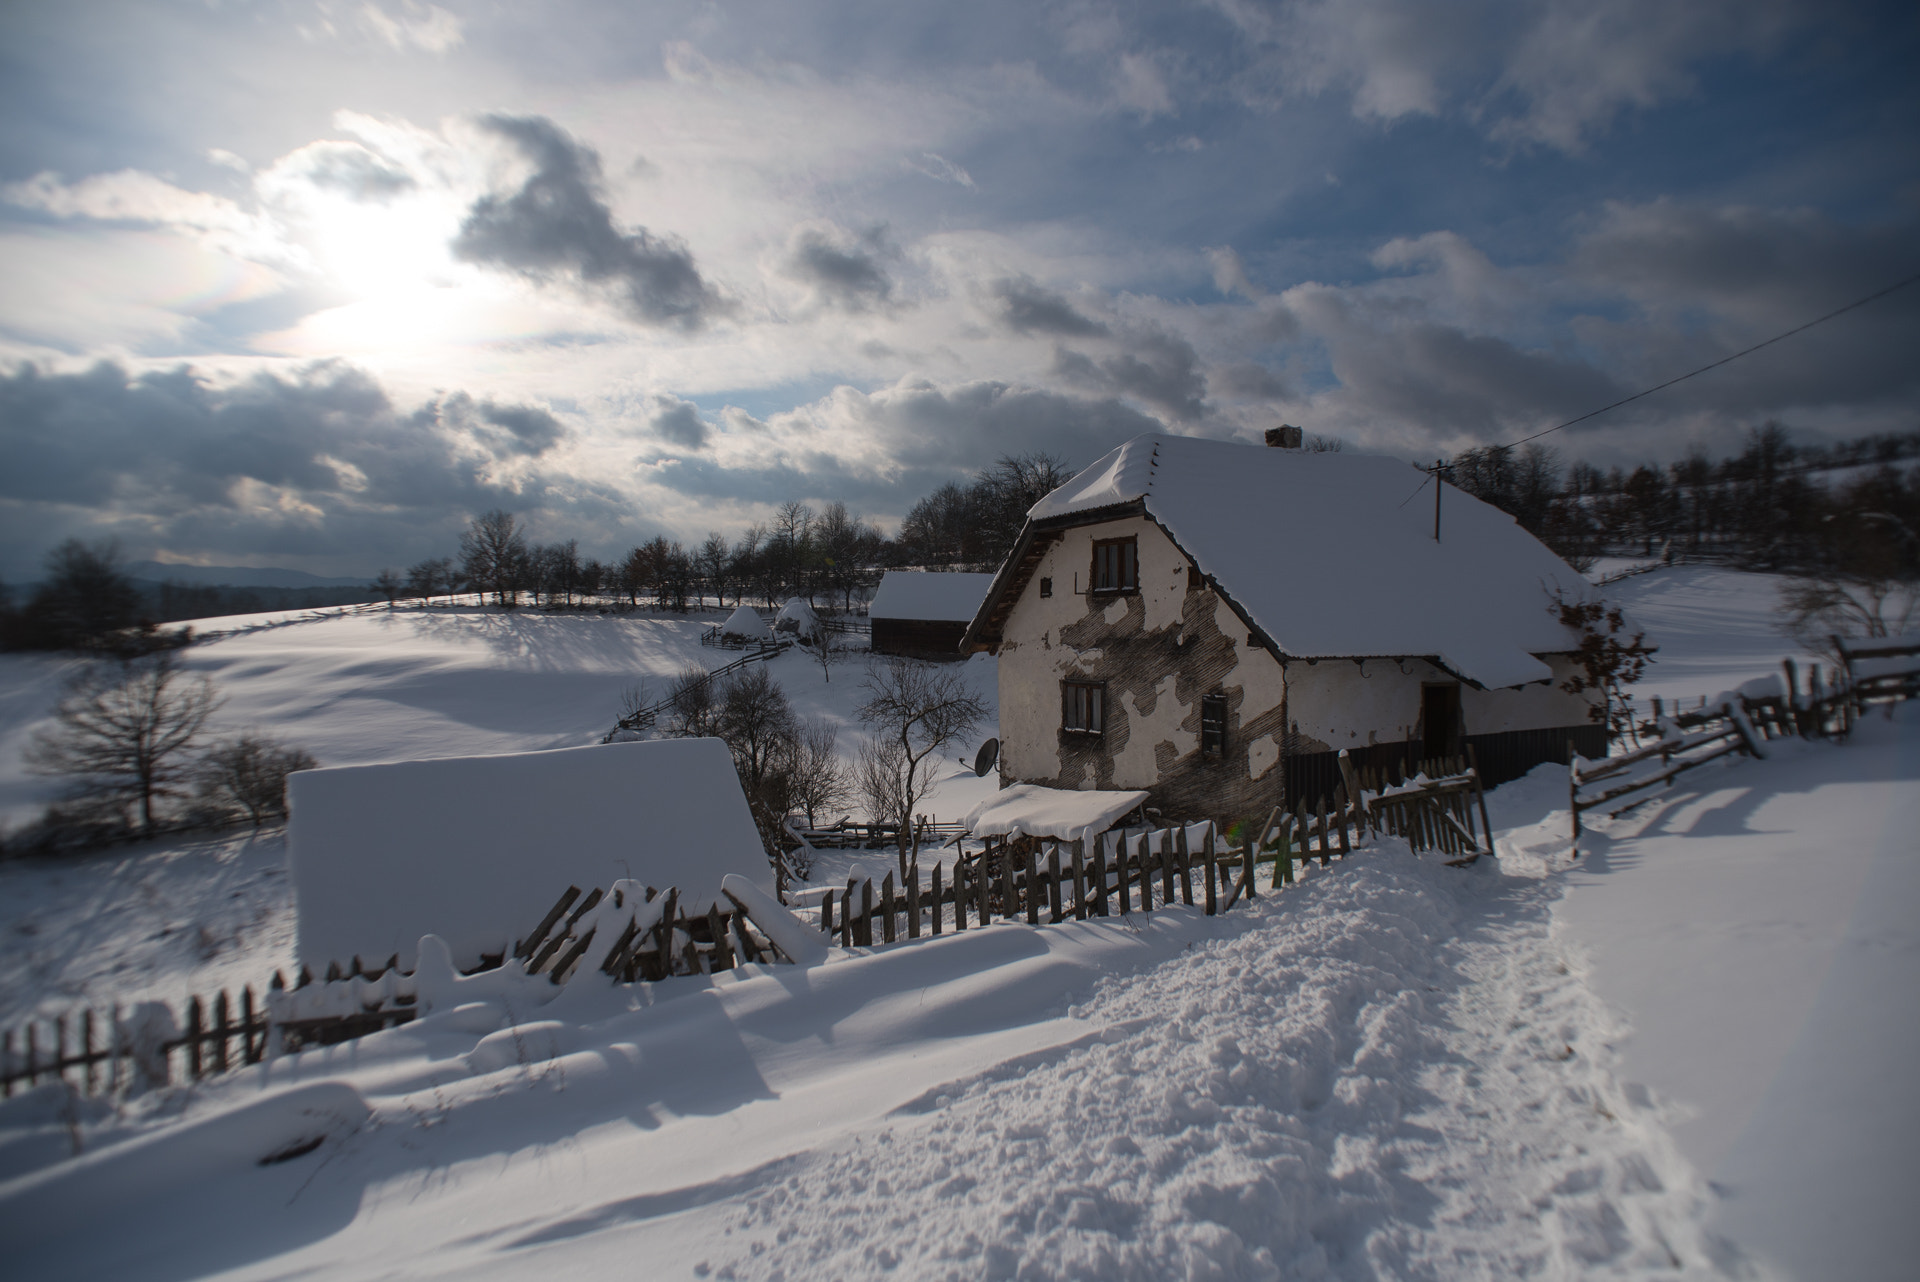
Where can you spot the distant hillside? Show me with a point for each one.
(171, 602)
(235, 576)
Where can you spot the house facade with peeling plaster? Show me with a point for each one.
(1214, 622)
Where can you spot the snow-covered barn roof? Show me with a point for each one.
(475, 849)
(1328, 555)
(929, 596)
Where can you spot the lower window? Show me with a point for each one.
(1083, 706)
(1213, 725)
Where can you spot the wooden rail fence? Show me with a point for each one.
(1742, 721)
(648, 715)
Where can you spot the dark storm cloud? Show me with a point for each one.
(1247, 381)
(523, 429)
(843, 271)
(319, 464)
(1161, 369)
(679, 422)
(558, 224)
(1026, 307)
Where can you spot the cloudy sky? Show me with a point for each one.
(308, 284)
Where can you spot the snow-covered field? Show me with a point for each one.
(1680, 1055)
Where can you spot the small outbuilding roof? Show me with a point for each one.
(475, 849)
(929, 596)
(1030, 810)
(1327, 555)
(745, 622)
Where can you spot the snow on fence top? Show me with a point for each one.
(1332, 555)
(1030, 810)
(929, 596)
(474, 849)
(745, 622)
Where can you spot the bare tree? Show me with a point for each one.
(715, 558)
(249, 773)
(427, 579)
(84, 596)
(920, 709)
(493, 555)
(820, 782)
(1609, 661)
(124, 730)
(692, 705)
(389, 584)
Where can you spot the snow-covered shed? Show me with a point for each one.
(1213, 622)
(476, 849)
(923, 614)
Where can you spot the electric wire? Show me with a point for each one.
(1798, 329)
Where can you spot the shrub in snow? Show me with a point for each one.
(248, 775)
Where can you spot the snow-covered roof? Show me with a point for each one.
(929, 596)
(1028, 809)
(1332, 555)
(745, 622)
(475, 849)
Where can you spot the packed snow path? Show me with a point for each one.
(1390, 1073)
(1389, 1070)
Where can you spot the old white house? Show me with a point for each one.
(1213, 622)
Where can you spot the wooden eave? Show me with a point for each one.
(1014, 572)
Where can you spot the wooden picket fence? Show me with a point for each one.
(96, 1052)
(1047, 881)
(1825, 706)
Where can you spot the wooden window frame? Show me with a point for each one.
(1046, 587)
(1125, 565)
(1218, 727)
(1091, 708)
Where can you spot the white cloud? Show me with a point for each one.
(420, 26)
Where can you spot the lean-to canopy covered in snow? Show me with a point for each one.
(475, 849)
(745, 622)
(929, 596)
(1029, 810)
(1326, 555)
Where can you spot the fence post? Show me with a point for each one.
(886, 907)
(1573, 791)
(194, 1026)
(913, 901)
(1033, 889)
(1212, 867)
(1079, 881)
(1053, 882)
(936, 895)
(1100, 876)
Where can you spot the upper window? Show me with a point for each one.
(1083, 706)
(1046, 587)
(1213, 725)
(1116, 565)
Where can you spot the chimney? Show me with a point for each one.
(1285, 437)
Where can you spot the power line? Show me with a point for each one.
(1798, 329)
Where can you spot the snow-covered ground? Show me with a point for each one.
(1678, 1055)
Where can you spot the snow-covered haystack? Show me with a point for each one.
(797, 617)
(745, 624)
(475, 849)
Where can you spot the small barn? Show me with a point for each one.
(924, 614)
(475, 849)
(1214, 622)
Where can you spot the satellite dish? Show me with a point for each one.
(988, 754)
